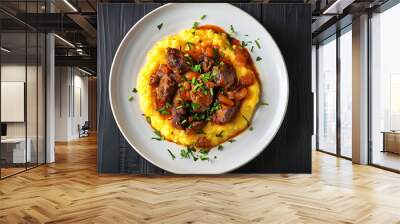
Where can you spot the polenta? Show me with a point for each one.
(199, 87)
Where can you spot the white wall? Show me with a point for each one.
(71, 102)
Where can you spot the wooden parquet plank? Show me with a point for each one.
(70, 191)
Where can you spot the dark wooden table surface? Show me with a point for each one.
(289, 152)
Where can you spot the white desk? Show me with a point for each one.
(18, 149)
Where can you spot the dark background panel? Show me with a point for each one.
(289, 152)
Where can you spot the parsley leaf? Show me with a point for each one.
(134, 90)
(231, 140)
(196, 68)
(130, 98)
(232, 29)
(172, 155)
(195, 25)
(160, 26)
(219, 135)
(190, 45)
(220, 147)
(203, 17)
(251, 128)
(258, 44)
(148, 119)
(159, 136)
(264, 104)
(247, 120)
(258, 59)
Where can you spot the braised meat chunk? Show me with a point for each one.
(166, 90)
(203, 142)
(176, 61)
(225, 114)
(200, 101)
(179, 113)
(206, 63)
(195, 126)
(161, 71)
(225, 76)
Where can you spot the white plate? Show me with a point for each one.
(131, 55)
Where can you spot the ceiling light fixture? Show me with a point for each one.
(84, 71)
(70, 5)
(337, 7)
(5, 50)
(65, 41)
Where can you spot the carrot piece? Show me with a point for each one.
(209, 52)
(246, 80)
(241, 94)
(225, 100)
(190, 75)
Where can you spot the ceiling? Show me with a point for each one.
(75, 22)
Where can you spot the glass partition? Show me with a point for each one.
(327, 96)
(346, 93)
(13, 105)
(22, 77)
(385, 89)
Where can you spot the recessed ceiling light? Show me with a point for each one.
(84, 71)
(5, 50)
(70, 5)
(65, 41)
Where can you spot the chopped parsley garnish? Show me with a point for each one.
(252, 49)
(204, 157)
(203, 17)
(172, 155)
(231, 140)
(264, 104)
(246, 35)
(232, 29)
(244, 44)
(190, 45)
(212, 91)
(184, 153)
(188, 152)
(148, 119)
(258, 59)
(200, 132)
(251, 128)
(247, 120)
(219, 135)
(196, 68)
(195, 25)
(164, 110)
(192, 154)
(258, 44)
(208, 76)
(160, 26)
(220, 147)
(195, 106)
(159, 136)
(134, 90)
(130, 98)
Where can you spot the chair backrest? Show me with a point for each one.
(86, 124)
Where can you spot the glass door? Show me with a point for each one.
(346, 92)
(385, 89)
(326, 62)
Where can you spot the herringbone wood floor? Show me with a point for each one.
(70, 191)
